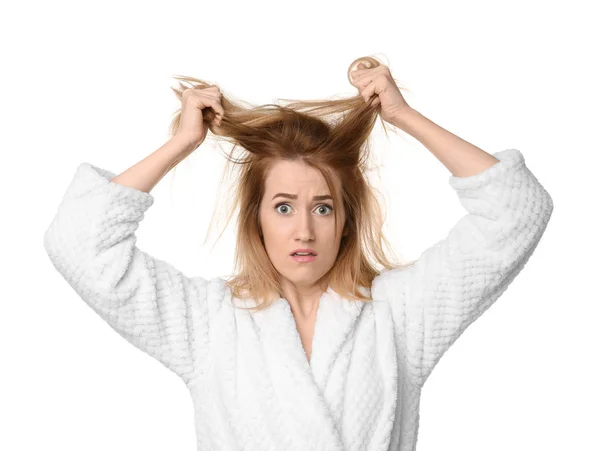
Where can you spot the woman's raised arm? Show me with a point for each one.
(91, 242)
(458, 278)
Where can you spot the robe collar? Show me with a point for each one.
(299, 384)
(335, 320)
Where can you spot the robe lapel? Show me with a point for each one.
(298, 385)
(336, 318)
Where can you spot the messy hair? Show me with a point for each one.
(331, 136)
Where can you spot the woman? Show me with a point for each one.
(296, 351)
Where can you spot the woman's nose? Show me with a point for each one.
(305, 226)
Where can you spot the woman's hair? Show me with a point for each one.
(331, 136)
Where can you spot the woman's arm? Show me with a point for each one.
(92, 243)
(461, 158)
(458, 278)
(145, 174)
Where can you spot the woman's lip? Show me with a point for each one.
(303, 258)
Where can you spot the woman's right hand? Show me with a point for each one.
(192, 123)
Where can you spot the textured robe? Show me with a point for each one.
(252, 386)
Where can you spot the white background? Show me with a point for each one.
(90, 82)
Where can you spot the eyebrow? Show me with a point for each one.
(293, 196)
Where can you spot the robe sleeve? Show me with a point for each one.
(92, 243)
(457, 279)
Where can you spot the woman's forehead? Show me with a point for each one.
(295, 177)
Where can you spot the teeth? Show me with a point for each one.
(303, 253)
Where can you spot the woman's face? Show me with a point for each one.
(300, 222)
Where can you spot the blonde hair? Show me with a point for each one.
(331, 136)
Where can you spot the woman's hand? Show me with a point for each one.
(377, 82)
(192, 123)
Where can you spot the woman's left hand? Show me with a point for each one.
(378, 82)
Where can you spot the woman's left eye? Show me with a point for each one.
(326, 206)
(319, 207)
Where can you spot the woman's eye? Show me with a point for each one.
(282, 205)
(328, 209)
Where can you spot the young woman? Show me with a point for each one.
(309, 346)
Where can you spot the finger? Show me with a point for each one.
(219, 110)
(360, 82)
(204, 94)
(368, 92)
(207, 91)
(218, 106)
(357, 74)
(364, 79)
(214, 100)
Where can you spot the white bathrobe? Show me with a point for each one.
(252, 386)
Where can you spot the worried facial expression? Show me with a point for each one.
(296, 212)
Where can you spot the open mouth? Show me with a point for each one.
(303, 257)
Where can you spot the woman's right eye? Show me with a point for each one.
(281, 205)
